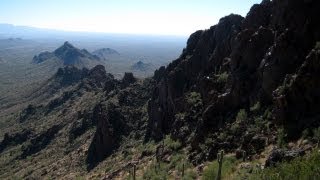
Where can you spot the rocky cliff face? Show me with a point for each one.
(236, 64)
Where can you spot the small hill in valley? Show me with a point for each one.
(105, 53)
(141, 66)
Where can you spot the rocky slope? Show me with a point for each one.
(243, 86)
(264, 59)
(62, 119)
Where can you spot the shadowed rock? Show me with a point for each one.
(110, 126)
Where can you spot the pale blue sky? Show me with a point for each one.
(171, 17)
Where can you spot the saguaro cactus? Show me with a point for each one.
(244, 155)
(219, 158)
(182, 170)
(134, 172)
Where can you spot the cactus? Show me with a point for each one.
(182, 170)
(244, 155)
(219, 158)
(134, 172)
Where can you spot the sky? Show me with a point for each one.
(163, 17)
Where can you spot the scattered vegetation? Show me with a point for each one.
(175, 165)
(307, 167)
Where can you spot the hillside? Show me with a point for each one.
(248, 86)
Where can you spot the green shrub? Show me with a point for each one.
(241, 116)
(194, 98)
(156, 171)
(261, 124)
(172, 144)
(190, 175)
(149, 147)
(228, 166)
(223, 78)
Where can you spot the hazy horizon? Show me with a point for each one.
(175, 17)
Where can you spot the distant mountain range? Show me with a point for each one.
(9, 31)
(67, 54)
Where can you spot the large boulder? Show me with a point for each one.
(281, 155)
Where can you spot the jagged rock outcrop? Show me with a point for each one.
(183, 74)
(69, 75)
(27, 112)
(14, 139)
(110, 126)
(128, 79)
(297, 101)
(40, 141)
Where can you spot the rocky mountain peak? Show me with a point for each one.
(67, 54)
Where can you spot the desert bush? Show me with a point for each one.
(228, 166)
(156, 171)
